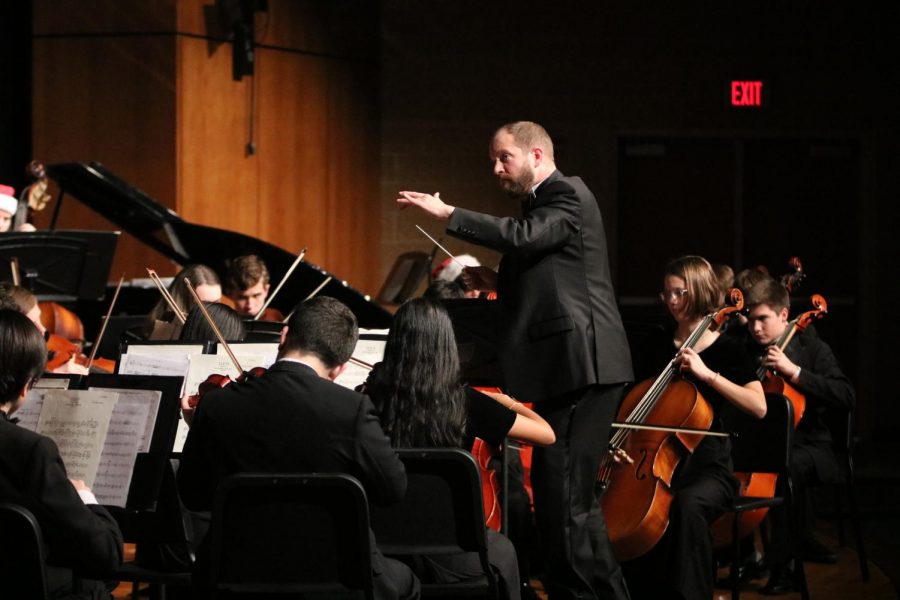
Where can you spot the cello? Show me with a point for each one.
(636, 473)
(763, 484)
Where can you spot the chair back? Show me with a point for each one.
(291, 533)
(763, 445)
(442, 512)
(22, 569)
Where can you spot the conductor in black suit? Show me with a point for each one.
(561, 343)
(294, 419)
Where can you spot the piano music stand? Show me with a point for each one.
(62, 265)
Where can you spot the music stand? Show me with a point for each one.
(262, 331)
(62, 265)
(148, 468)
(475, 326)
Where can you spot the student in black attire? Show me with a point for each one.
(81, 537)
(681, 564)
(422, 403)
(809, 365)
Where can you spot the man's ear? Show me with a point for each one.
(335, 372)
(538, 154)
(784, 314)
(283, 336)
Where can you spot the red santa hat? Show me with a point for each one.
(8, 200)
(450, 269)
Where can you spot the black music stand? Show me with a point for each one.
(62, 265)
(149, 466)
(475, 326)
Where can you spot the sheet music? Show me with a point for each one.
(29, 413)
(78, 421)
(166, 349)
(127, 426)
(147, 364)
(180, 436)
(247, 353)
(52, 383)
(148, 398)
(368, 351)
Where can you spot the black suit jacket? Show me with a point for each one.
(826, 388)
(79, 537)
(560, 328)
(287, 421)
(290, 420)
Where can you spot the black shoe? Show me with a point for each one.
(812, 550)
(781, 581)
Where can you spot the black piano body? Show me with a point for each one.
(187, 243)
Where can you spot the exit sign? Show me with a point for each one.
(749, 93)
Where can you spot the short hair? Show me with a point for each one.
(23, 354)
(16, 297)
(528, 135)
(324, 327)
(229, 322)
(198, 275)
(700, 281)
(246, 271)
(747, 278)
(768, 291)
(445, 290)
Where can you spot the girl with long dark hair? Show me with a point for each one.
(423, 403)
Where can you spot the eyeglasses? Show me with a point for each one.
(676, 294)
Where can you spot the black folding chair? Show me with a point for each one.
(764, 446)
(22, 570)
(441, 514)
(843, 442)
(291, 534)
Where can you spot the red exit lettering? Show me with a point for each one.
(746, 93)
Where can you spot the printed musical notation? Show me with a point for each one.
(99, 433)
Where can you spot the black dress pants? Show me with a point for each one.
(578, 556)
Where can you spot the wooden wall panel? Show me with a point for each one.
(112, 100)
(217, 181)
(162, 111)
(293, 139)
(353, 210)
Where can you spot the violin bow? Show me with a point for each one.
(280, 283)
(166, 295)
(311, 295)
(112, 305)
(361, 363)
(212, 325)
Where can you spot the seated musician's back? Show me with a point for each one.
(80, 535)
(295, 419)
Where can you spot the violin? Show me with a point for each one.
(65, 339)
(217, 381)
(636, 473)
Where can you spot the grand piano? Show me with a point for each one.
(185, 243)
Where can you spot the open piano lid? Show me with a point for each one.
(185, 243)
